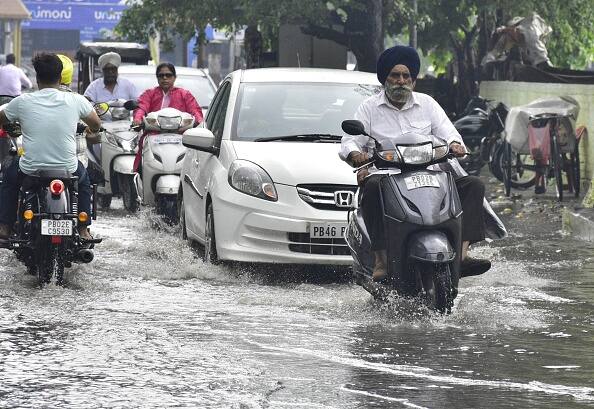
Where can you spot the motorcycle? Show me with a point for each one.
(116, 154)
(158, 181)
(481, 128)
(422, 221)
(47, 239)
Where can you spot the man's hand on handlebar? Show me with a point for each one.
(361, 175)
(457, 149)
(357, 159)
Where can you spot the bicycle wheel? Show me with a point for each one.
(507, 168)
(557, 163)
(575, 168)
(522, 168)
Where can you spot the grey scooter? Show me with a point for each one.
(422, 222)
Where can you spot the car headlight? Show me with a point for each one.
(416, 155)
(169, 122)
(440, 151)
(251, 179)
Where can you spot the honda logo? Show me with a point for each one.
(343, 198)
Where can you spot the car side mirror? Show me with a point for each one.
(353, 127)
(200, 139)
(131, 105)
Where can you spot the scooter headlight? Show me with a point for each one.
(169, 122)
(251, 179)
(119, 114)
(440, 151)
(417, 154)
(389, 156)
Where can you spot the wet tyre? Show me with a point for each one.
(557, 161)
(181, 211)
(51, 264)
(210, 243)
(128, 190)
(167, 207)
(575, 171)
(442, 283)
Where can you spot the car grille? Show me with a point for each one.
(302, 243)
(322, 196)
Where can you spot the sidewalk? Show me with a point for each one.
(526, 205)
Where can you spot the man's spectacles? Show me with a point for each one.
(165, 75)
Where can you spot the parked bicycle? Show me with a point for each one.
(541, 145)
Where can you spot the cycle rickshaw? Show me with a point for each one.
(541, 144)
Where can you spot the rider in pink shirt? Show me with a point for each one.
(165, 95)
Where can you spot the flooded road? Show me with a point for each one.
(147, 324)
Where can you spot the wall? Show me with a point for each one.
(520, 93)
(297, 49)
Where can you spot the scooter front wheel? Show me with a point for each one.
(129, 195)
(437, 285)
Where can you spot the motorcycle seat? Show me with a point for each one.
(53, 174)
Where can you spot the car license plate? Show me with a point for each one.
(327, 230)
(167, 139)
(56, 227)
(421, 180)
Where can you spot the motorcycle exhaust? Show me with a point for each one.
(85, 256)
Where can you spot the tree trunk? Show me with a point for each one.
(253, 46)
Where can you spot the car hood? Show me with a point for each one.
(294, 163)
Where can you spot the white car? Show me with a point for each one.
(195, 80)
(262, 180)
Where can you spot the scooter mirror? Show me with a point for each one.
(130, 105)
(353, 127)
(101, 108)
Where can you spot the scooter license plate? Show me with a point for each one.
(421, 180)
(160, 139)
(327, 230)
(56, 227)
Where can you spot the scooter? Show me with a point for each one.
(481, 128)
(422, 221)
(158, 181)
(116, 154)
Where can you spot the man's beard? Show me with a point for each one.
(398, 94)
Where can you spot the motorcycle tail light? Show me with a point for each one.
(83, 217)
(56, 187)
(28, 215)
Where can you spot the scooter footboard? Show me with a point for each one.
(431, 246)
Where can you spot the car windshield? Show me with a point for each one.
(199, 86)
(267, 110)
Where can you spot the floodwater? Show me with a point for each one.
(147, 324)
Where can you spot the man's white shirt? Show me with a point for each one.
(421, 114)
(98, 92)
(12, 79)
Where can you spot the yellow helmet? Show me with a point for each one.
(67, 69)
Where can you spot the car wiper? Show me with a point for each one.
(302, 137)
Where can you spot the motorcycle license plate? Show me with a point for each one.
(421, 180)
(167, 139)
(56, 227)
(327, 230)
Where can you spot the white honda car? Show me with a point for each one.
(262, 180)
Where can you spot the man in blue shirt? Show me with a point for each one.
(48, 120)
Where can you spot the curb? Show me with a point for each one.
(578, 225)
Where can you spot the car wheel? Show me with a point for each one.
(181, 211)
(210, 243)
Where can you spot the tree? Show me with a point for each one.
(360, 25)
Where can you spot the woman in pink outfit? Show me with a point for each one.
(163, 96)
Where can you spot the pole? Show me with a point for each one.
(412, 26)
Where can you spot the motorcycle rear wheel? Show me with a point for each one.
(51, 264)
